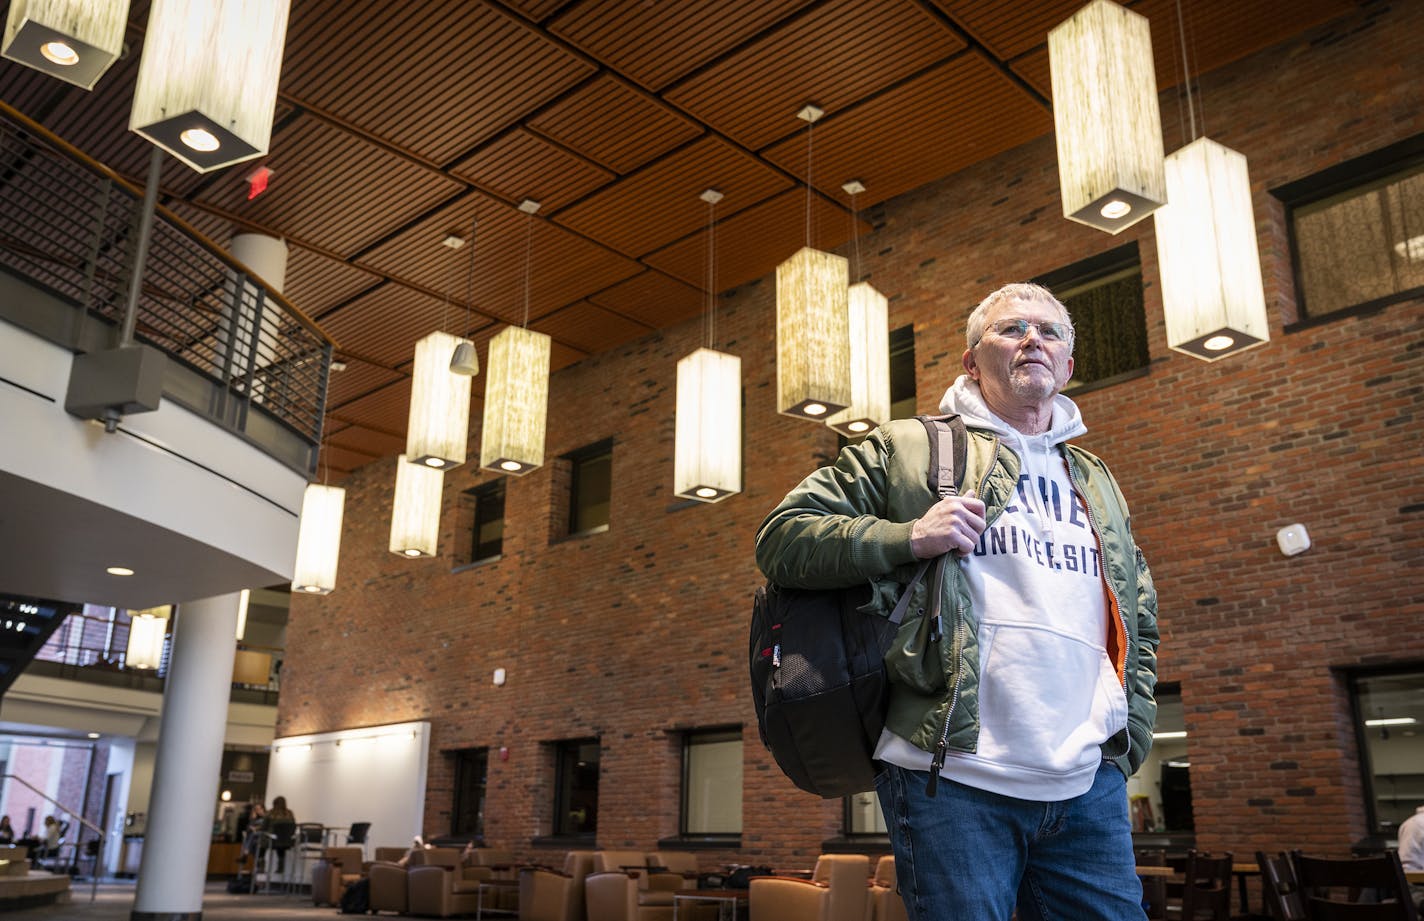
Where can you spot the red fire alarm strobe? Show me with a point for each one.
(257, 181)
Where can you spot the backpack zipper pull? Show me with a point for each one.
(935, 766)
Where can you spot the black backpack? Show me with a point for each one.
(356, 899)
(818, 662)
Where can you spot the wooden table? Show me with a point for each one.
(1414, 876)
(494, 887)
(728, 901)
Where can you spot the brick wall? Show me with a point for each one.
(635, 633)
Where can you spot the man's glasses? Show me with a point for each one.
(1051, 331)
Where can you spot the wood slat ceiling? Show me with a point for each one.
(399, 124)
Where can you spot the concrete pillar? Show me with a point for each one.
(189, 760)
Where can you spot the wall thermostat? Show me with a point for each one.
(1293, 539)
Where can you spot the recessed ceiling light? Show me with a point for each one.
(119, 571)
(1218, 343)
(93, 735)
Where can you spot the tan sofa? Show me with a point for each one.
(337, 868)
(838, 890)
(885, 901)
(442, 885)
(550, 895)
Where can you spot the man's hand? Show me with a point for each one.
(954, 523)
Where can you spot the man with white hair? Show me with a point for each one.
(1022, 700)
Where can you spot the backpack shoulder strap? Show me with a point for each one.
(949, 452)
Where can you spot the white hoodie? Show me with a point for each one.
(1048, 693)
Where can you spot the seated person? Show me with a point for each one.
(7, 832)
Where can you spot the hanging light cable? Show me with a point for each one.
(517, 384)
(812, 332)
(707, 454)
(464, 360)
(868, 312)
(1213, 300)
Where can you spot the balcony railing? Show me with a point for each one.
(239, 353)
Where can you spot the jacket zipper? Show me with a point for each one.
(942, 746)
(1117, 602)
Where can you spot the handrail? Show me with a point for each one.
(99, 832)
(208, 243)
(239, 352)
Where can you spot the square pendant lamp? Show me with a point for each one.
(319, 539)
(516, 401)
(207, 82)
(869, 363)
(147, 629)
(415, 513)
(74, 40)
(439, 423)
(1206, 250)
(1105, 117)
(707, 457)
(812, 335)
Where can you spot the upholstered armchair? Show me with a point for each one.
(337, 868)
(389, 887)
(620, 889)
(885, 902)
(673, 870)
(548, 895)
(442, 886)
(838, 890)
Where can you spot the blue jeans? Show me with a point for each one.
(970, 855)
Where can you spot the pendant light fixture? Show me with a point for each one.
(707, 453)
(1105, 117)
(812, 331)
(464, 360)
(1212, 296)
(869, 345)
(438, 428)
(517, 386)
(415, 513)
(147, 629)
(74, 40)
(207, 81)
(319, 539)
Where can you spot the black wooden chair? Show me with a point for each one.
(1279, 889)
(1354, 888)
(1206, 888)
(1154, 888)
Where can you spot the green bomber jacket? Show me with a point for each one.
(850, 522)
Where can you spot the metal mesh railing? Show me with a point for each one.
(69, 225)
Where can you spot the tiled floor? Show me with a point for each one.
(114, 902)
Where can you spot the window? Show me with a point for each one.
(1103, 295)
(1389, 723)
(467, 816)
(576, 788)
(590, 486)
(1160, 793)
(1357, 231)
(902, 372)
(863, 815)
(485, 505)
(712, 783)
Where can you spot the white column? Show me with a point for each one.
(185, 773)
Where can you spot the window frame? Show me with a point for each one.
(1358, 173)
(566, 751)
(711, 735)
(477, 498)
(1093, 272)
(462, 758)
(1353, 676)
(578, 462)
